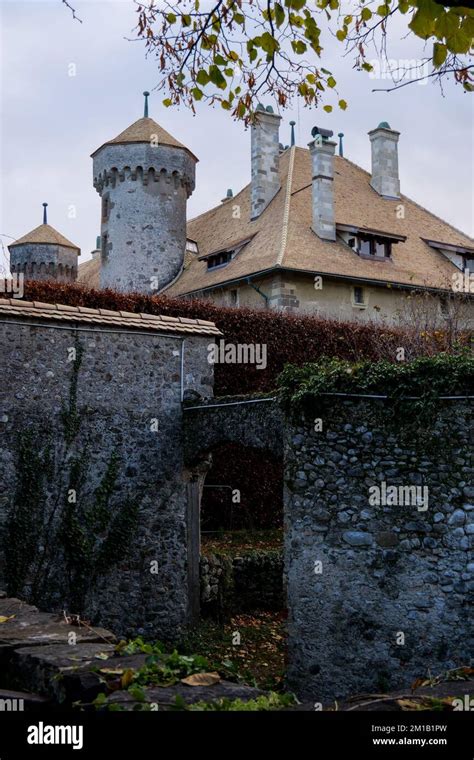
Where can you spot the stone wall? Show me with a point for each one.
(93, 491)
(377, 594)
(251, 422)
(231, 585)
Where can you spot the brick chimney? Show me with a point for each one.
(385, 179)
(265, 152)
(322, 159)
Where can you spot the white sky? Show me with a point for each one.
(51, 122)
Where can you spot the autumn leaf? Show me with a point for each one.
(111, 672)
(4, 619)
(201, 679)
(127, 678)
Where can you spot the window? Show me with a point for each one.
(105, 208)
(359, 296)
(469, 264)
(104, 246)
(373, 246)
(219, 260)
(191, 246)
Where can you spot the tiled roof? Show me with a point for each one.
(88, 273)
(144, 130)
(11, 307)
(283, 238)
(45, 234)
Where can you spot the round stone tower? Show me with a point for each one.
(144, 177)
(44, 254)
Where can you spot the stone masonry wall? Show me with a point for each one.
(377, 594)
(252, 581)
(92, 481)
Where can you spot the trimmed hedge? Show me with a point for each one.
(290, 339)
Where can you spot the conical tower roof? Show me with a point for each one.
(145, 130)
(44, 234)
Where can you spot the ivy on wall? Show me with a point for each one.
(60, 530)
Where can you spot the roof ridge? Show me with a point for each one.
(286, 208)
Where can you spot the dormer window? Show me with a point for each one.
(460, 255)
(191, 246)
(222, 257)
(373, 244)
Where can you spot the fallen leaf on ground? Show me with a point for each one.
(111, 672)
(127, 678)
(4, 619)
(101, 656)
(202, 679)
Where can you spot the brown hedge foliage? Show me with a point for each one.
(294, 339)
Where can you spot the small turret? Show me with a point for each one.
(144, 177)
(44, 254)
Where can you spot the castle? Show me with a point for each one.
(312, 232)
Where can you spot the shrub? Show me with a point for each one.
(290, 339)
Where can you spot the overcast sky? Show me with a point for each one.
(51, 121)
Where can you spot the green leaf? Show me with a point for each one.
(186, 20)
(279, 14)
(341, 34)
(202, 77)
(459, 42)
(439, 54)
(171, 18)
(328, 109)
(299, 46)
(366, 14)
(331, 82)
(197, 93)
(446, 25)
(468, 86)
(217, 78)
(367, 66)
(403, 6)
(167, 102)
(342, 105)
(421, 24)
(269, 44)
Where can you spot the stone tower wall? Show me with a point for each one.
(144, 190)
(41, 261)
